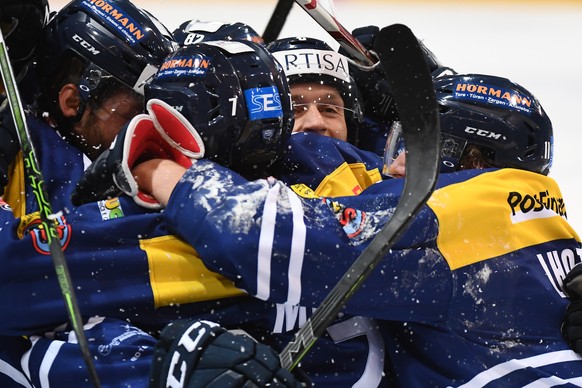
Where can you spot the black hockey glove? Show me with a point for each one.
(9, 144)
(572, 325)
(163, 134)
(367, 35)
(203, 354)
(22, 22)
(377, 102)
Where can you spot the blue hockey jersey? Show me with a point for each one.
(470, 295)
(122, 357)
(127, 266)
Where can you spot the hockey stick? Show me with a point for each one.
(46, 215)
(329, 23)
(277, 20)
(411, 84)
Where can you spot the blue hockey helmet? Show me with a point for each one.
(195, 31)
(116, 43)
(236, 96)
(500, 117)
(307, 60)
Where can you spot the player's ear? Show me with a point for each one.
(69, 100)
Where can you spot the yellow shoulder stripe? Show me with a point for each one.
(498, 213)
(177, 274)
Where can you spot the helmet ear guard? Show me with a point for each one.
(236, 96)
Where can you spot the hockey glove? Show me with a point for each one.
(163, 134)
(375, 92)
(378, 103)
(572, 326)
(9, 144)
(203, 354)
(22, 22)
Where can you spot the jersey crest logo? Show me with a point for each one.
(32, 224)
(352, 220)
(110, 208)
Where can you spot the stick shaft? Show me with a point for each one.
(337, 31)
(36, 180)
(277, 20)
(411, 83)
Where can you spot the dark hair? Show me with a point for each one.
(69, 71)
(475, 157)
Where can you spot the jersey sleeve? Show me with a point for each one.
(289, 249)
(121, 259)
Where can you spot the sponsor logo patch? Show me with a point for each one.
(492, 95)
(117, 18)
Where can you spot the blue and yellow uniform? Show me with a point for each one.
(116, 251)
(469, 296)
(125, 265)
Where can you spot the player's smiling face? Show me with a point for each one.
(319, 109)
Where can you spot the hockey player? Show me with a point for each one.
(220, 130)
(115, 238)
(171, 89)
(325, 97)
(326, 101)
(90, 92)
(458, 307)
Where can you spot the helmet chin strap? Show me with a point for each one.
(84, 89)
(80, 110)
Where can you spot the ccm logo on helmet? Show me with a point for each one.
(483, 133)
(85, 44)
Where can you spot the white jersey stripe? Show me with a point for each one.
(553, 381)
(47, 362)
(24, 363)
(297, 249)
(503, 369)
(14, 374)
(266, 243)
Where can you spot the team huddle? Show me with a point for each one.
(211, 188)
